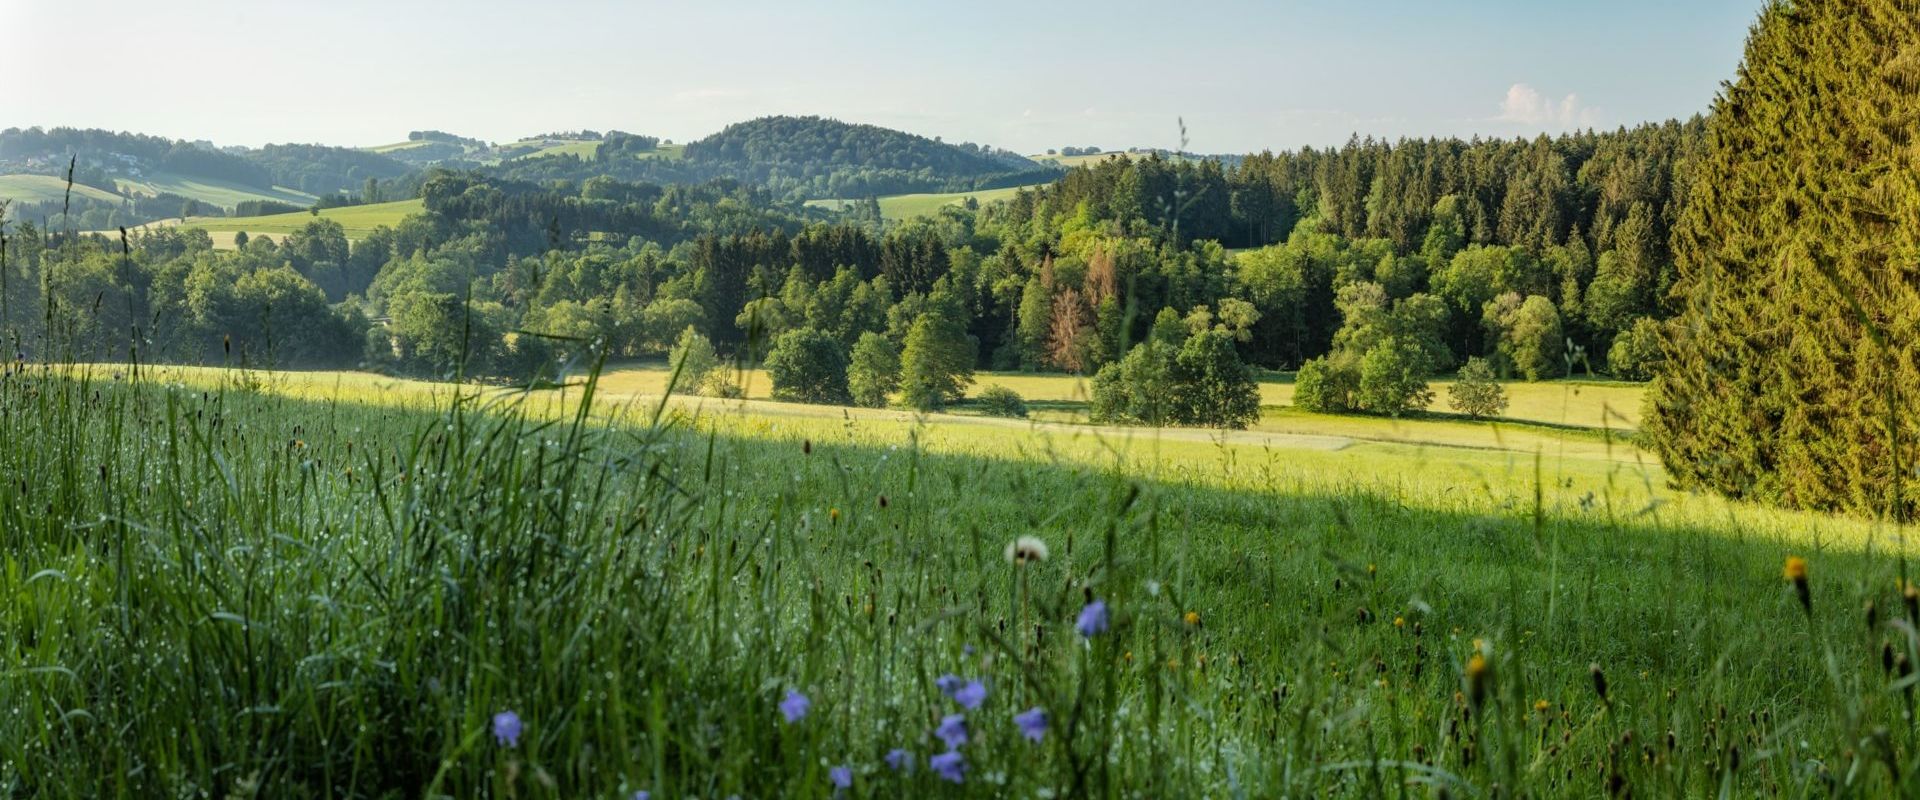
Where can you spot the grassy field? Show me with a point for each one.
(219, 193)
(357, 220)
(274, 584)
(396, 146)
(47, 189)
(908, 206)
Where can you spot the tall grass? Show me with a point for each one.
(228, 591)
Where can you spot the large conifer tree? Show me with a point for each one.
(1791, 374)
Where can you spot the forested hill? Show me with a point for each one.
(805, 158)
(813, 143)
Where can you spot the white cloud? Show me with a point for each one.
(1525, 105)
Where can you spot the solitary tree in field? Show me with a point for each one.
(1475, 393)
(809, 366)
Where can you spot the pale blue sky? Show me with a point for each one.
(1025, 76)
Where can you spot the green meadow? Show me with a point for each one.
(908, 206)
(220, 193)
(358, 220)
(245, 582)
(46, 188)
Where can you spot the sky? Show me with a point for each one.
(1026, 76)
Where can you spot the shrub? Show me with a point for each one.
(1326, 386)
(1635, 353)
(874, 371)
(1475, 393)
(1000, 401)
(809, 366)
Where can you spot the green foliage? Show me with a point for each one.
(1527, 335)
(809, 366)
(1202, 383)
(1327, 385)
(936, 362)
(1212, 387)
(1000, 401)
(1635, 354)
(693, 361)
(1139, 388)
(1475, 392)
(1393, 378)
(874, 371)
(1792, 363)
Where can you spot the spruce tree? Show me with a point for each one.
(1791, 371)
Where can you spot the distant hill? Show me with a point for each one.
(799, 158)
(140, 178)
(135, 178)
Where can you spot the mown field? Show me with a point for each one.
(219, 193)
(908, 206)
(286, 584)
(47, 188)
(358, 221)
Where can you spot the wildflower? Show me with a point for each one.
(952, 730)
(642, 795)
(506, 729)
(1479, 673)
(1796, 574)
(795, 706)
(1541, 705)
(971, 695)
(1032, 723)
(1093, 619)
(948, 684)
(899, 759)
(833, 514)
(950, 765)
(1399, 622)
(1191, 618)
(1025, 549)
(842, 777)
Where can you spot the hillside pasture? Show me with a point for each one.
(909, 206)
(206, 190)
(357, 220)
(47, 189)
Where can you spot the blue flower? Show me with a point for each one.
(1033, 723)
(643, 795)
(971, 695)
(948, 684)
(1093, 619)
(842, 777)
(899, 759)
(952, 730)
(950, 765)
(795, 706)
(506, 729)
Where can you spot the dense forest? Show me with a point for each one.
(1370, 267)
